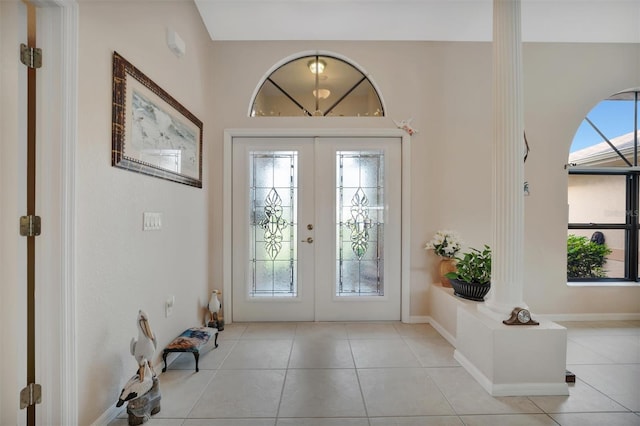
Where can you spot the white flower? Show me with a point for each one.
(444, 243)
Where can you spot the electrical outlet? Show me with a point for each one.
(168, 306)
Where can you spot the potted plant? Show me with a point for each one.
(445, 244)
(472, 279)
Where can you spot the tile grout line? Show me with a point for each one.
(426, 370)
(355, 367)
(286, 374)
(213, 376)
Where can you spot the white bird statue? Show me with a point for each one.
(214, 306)
(144, 347)
(136, 386)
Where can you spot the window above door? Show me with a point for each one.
(317, 86)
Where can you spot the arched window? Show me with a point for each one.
(603, 197)
(317, 86)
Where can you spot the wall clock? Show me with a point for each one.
(520, 316)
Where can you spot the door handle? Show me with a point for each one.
(308, 240)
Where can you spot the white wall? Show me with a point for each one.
(562, 83)
(443, 86)
(121, 268)
(446, 88)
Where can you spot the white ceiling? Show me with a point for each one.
(609, 21)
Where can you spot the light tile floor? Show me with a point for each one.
(387, 374)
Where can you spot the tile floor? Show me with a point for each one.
(387, 374)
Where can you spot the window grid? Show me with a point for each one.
(317, 86)
(630, 226)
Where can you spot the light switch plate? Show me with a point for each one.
(151, 221)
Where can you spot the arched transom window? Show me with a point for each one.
(317, 86)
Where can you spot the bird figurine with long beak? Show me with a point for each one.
(136, 386)
(214, 307)
(144, 347)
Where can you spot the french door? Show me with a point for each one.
(316, 229)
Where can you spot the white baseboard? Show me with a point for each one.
(108, 416)
(510, 389)
(590, 317)
(113, 411)
(443, 332)
(418, 319)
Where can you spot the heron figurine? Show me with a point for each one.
(214, 308)
(144, 347)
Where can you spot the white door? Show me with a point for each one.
(316, 229)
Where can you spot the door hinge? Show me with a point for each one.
(30, 226)
(31, 56)
(31, 395)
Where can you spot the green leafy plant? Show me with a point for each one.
(473, 267)
(585, 258)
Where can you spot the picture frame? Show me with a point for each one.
(152, 133)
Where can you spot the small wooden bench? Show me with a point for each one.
(191, 340)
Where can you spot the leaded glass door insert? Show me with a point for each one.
(273, 194)
(360, 223)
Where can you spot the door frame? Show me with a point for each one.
(227, 213)
(56, 329)
(56, 356)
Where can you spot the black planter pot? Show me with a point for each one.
(470, 291)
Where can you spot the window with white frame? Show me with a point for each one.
(317, 86)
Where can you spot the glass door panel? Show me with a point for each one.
(273, 250)
(360, 223)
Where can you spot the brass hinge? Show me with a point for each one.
(31, 56)
(30, 226)
(31, 395)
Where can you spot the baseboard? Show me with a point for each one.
(418, 319)
(443, 332)
(113, 411)
(510, 389)
(109, 415)
(590, 317)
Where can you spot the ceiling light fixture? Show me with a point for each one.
(321, 93)
(317, 66)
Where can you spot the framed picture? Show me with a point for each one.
(152, 133)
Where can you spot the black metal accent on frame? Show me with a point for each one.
(345, 95)
(608, 141)
(284, 92)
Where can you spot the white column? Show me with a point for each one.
(494, 353)
(508, 165)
